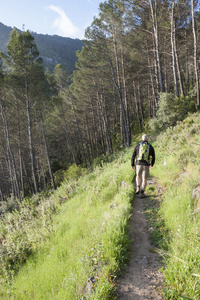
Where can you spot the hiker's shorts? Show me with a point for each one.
(142, 171)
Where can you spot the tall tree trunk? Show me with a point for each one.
(178, 69)
(196, 68)
(121, 102)
(11, 161)
(157, 46)
(154, 104)
(140, 104)
(125, 97)
(94, 127)
(137, 106)
(173, 50)
(165, 62)
(1, 194)
(20, 150)
(105, 122)
(118, 82)
(187, 62)
(68, 139)
(31, 145)
(47, 152)
(79, 131)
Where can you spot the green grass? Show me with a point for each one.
(179, 148)
(89, 234)
(90, 239)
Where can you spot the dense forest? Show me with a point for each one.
(138, 70)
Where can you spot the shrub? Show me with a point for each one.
(22, 231)
(171, 110)
(59, 177)
(74, 172)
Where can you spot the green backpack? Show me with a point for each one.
(144, 152)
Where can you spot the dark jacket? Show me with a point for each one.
(143, 162)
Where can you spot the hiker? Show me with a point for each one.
(144, 155)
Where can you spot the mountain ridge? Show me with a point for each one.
(53, 49)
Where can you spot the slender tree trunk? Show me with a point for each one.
(187, 62)
(178, 66)
(30, 138)
(31, 146)
(68, 139)
(95, 128)
(87, 140)
(154, 104)
(137, 107)
(29, 184)
(196, 67)
(11, 161)
(165, 61)
(1, 194)
(20, 151)
(121, 103)
(105, 123)
(47, 152)
(140, 105)
(79, 131)
(173, 50)
(157, 46)
(126, 98)
(21, 170)
(118, 82)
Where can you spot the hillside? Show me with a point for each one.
(81, 247)
(53, 49)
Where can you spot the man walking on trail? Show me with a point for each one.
(144, 155)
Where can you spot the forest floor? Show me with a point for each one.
(142, 279)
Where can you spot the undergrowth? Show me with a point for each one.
(73, 244)
(177, 170)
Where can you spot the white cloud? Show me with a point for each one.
(63, 24)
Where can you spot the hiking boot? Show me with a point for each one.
(137, 191)
(142, 194)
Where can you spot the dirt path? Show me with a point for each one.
(142, 279)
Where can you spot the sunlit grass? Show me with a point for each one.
(180, 175)
(90, 240)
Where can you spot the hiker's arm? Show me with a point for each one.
(133, 157)
(153, 157)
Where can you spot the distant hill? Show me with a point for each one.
(53, 49)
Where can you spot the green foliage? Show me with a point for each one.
(171, 110)
(178, 147)
(100, 160)
(9, 205)
(88, 238)
(59, 177)
(22, 231)
(71, 174)
(74, 172)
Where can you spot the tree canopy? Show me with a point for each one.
(138, 69)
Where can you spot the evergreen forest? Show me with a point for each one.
(66, 140)
(138, 71)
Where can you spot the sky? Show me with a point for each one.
(67, 18)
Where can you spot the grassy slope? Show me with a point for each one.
(90, 239)
(178, 170)
(90, 230)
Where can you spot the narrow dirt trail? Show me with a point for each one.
(142, 279)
